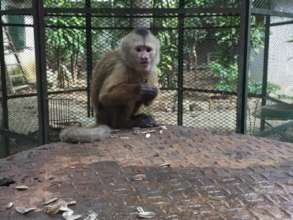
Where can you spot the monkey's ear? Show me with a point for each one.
(126, 40)
(124, 46)
(122, 42)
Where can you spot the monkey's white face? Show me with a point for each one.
(141, 52)
(144, 56)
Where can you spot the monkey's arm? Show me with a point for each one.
(153, 88)
(148, 94)
(117, 91)
(120, 94)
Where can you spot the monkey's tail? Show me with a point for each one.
(76, 134)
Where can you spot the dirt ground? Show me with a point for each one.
(177, 173)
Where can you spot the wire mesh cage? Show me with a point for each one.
(16, 4)
(59, 112)
(264, 4)
(51, 47)
(283, 6)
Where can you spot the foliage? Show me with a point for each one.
(67, 45)
(212, 3)
(226, 65)
(255, 88)
(66, 38)
(167, 76)
(196, 3)
(227, 77)
(272, 88)
(63, 3)
(222, 31)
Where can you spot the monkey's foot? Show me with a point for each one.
(144, 121)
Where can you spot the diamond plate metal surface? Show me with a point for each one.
(187, 174)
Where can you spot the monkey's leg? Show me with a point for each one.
(119, 117)
(116, 105)
(116, 116)
(142, 120)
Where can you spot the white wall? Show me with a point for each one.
(281, 57)
(26, 56)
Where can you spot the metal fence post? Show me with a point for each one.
(4, 150)
(89, 61)
(245, 14)
(180, 62)
(265, 67)
(40, 41)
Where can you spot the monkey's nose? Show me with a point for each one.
(144, 60)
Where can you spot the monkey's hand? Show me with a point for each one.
(147, 93)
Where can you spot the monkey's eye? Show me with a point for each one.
(149, 49)
(138, 49)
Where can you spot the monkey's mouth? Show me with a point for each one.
(144, 63)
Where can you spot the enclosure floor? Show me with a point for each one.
(209, 176)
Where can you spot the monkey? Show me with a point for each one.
(122, 82)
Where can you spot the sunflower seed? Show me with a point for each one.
(139, 177)
(73, 202)
(165, 165)
(69, 216)
(9, 205)
(59, 206)
(21, 187)
(91, 216)
(50, 201)
(164, 127)
(23, 210)
(143, 214)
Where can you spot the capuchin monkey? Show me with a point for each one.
(123, 81)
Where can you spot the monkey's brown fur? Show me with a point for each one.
(121, 84)
(121, 87)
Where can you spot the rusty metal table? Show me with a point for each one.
(204, 176)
